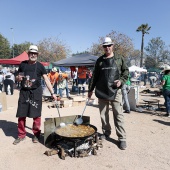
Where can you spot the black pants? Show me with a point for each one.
(145, 80)
(75, 81)
(11, 84)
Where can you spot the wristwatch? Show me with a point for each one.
(52, 94)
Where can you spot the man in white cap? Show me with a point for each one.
(30, 97)
(109, 75)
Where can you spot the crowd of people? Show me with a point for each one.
(59, 82)
(154, 78)
(79, 76)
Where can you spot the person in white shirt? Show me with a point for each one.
(1, 80)
(75, 80)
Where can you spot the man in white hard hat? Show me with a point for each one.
(30, 97)
(110, 73)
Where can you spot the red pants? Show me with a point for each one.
(35, 128)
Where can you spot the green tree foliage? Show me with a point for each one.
(165, 55)
(20, 48)
(156, 49)
(52, 49)
(150, 62)
(134, 58)
(4, 47)
(144, 28)
(84, 52)
(122, 44)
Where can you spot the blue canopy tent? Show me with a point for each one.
(78, 60)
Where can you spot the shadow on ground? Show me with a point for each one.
(10, 129)
(116, 142)
(162, 122)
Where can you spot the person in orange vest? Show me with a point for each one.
(82, 70)
(53, 77)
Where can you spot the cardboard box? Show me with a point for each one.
(79, 103)
(78, 98)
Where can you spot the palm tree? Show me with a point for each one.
(144, 28)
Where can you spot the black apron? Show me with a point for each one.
(105, 87)
(30, 99)
(30, 81)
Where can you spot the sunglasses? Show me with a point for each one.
(105, 46)
(31, 53)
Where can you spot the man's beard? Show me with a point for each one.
(33, 58)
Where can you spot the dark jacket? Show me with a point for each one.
(106, 71)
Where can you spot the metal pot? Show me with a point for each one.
(84, 137)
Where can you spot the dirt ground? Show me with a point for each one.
(148, 141)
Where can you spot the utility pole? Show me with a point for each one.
(12, 42)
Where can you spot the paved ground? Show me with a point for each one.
(147, 138)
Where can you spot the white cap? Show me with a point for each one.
(54, 69)
(166, 68)
(33, 49)
(107, 41)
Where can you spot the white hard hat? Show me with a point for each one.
(107, 41)
(33, 49)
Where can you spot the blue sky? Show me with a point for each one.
(80, 23)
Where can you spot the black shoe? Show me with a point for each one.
(106, 134)
(35, 139)
(122, 145)
(69, 98)
(127, 111)
(166, 115)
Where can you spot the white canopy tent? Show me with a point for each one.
(138, 69)
(163, 65)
